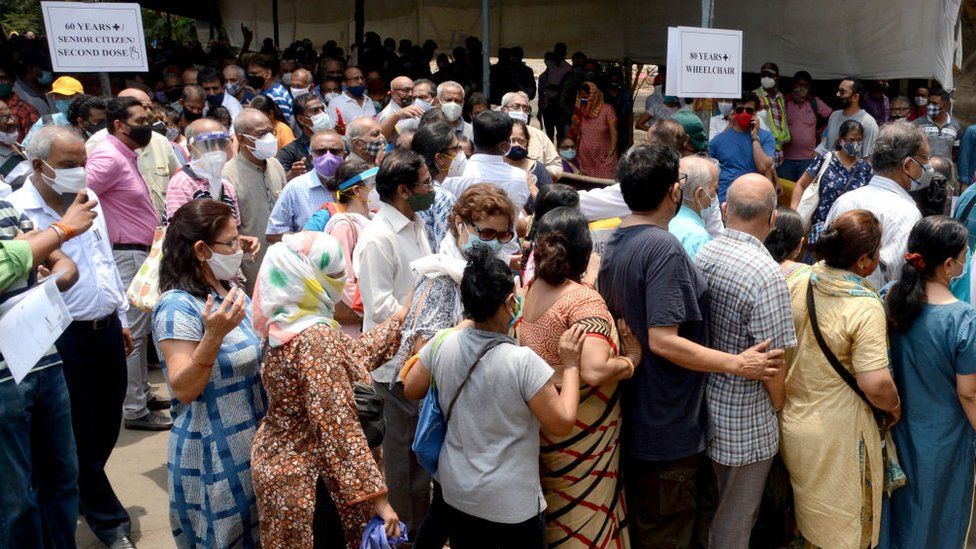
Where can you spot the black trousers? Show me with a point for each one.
(470, 532)
(95, 372)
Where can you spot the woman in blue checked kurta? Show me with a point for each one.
(211, 356)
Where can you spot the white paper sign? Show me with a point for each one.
(704, 63)
(90, 37)
(30, 323)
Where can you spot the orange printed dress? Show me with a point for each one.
(312, 430)
(580, 471)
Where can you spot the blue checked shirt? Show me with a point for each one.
(748, 303)
(299, 200)
(282, 98)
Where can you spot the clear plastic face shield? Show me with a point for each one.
(208, 142)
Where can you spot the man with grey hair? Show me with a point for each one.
(365, 140)
(207, 142)
(901, 107)
(541, 149)
(749, 304)
(235, 84)
(699, 191)
(901, 164)
(450, 95)
(93, 348)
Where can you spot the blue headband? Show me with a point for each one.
(358, 179)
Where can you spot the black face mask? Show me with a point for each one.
(255, 81)
(191, 116)
(174, 94)
(93, 128)
(159, 127)
(215, 100)
(141, 135)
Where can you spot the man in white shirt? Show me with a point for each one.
(541, 149)
(93, 349)
(212, 82)
(450, 97)
(492, 135)
(352, 103)
(901, 163)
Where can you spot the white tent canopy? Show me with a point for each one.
(828, 38)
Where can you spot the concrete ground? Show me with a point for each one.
(137, 469)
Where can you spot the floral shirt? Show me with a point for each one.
(836, 181)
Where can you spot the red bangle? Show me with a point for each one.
(69, 233)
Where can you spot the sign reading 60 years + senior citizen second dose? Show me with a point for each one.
(95, 37)
(704, 63)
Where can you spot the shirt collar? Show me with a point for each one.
(392, 217)
(687, 213)
(313, 180)
(891, 185)
(746, 238)
(34, 201)
(121, 147)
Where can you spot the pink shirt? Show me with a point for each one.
(114, 175)
(803, 128)
(183, 188)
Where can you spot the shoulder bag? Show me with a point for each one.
(811, 195)
(894, 476)
(432, 423)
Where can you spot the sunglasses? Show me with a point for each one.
(740, 110)
(488, 233)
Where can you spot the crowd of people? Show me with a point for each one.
(332, 255)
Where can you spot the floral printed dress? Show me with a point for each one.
(312, 431)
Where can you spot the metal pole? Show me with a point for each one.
(707, 9)
(274, 20)
(485, 45)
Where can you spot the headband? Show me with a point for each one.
(358, 179)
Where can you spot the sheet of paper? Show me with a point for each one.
(30, 324)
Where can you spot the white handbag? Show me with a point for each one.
(811, 195)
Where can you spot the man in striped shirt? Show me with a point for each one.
(262, 77)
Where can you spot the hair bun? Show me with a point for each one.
(552, 257)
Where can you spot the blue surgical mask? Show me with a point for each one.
(474, 240)
(965, 270)
(45, 78)
(708, 211)
(61, 105)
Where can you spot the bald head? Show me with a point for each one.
(249, 121)
(300, 78)
(203, 125)
(751, 200)
(141, 96)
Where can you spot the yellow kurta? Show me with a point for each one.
(824, 422)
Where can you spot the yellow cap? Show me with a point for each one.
(65, 85)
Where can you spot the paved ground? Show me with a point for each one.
(137, 470)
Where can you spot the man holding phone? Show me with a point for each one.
(743, 147)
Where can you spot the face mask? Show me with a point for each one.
(373, 148)
(800, 93)
(298, 92)
(286, 79)
(172, 134)
(321, 122)
(568, 154)
(743, 120)
(473, 240)
(327, 164)
(934, 110)
(45, 78)
(8, 138)
(6, 89)
(232, 89)
(853, 148)
(423, 104)
(421, 202)
(66, 180)
(767, 83)
(724, 109)
(255, 81)
(355, 91)
(209, 167)
(215, 100)
(708, 211)
(173, 95)
(264, 148)
(225, 266)
(965, 270)
(191, 116)
(846, 101)
(452, 111)
(329, 97)
(61, 105)
(517, 152)
(519, 115)
(141, 135)
(158, 126)
(925, 180)
(921, 101)
(456, 169)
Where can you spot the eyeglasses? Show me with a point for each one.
(452, 150)
(488, 233)
(355, 79)
(234, 243)
(340, 151)
(427, 183)
(740, 110)
(523, 108)
(682, 179)
(407, 91)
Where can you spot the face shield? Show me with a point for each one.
(208, 142)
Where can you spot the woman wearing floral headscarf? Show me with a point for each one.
(595, 129)
(314, 473)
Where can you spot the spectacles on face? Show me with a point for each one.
(682, 179)
(488, 233)
(426, 184)
(340, 151)
(355, 79)
(452, 151)
(749, 110)
(404, 91)
(234, 244)
(523, 108)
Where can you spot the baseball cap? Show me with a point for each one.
(65, 85)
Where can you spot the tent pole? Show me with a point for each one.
(360, 17)
(485, 40)
(707, 8)
(274, 20)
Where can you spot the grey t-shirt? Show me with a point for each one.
(833, 128)
(489, 464)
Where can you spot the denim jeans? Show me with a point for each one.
(793, 169)
(38, 463)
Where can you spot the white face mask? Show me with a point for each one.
(707, 211)
(209, 167)
(921, 101)
(322, 121)
(225, 266)
(452, 111)
(8, 138)
(456, 169)
(373, 200)
(66, 180)
(329, 97)
(724, 108)
(298, 92)
(264, 148)
(767, 83)
(518, 115)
